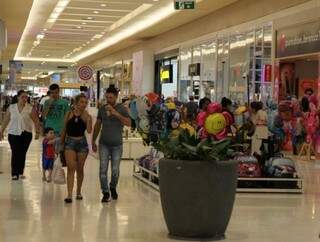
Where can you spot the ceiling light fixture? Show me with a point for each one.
(103, 5)
(61, 5)
(96, 12)
(90, 18)
(129, 30)
(40, 36)
(84, 23)
(79, 27)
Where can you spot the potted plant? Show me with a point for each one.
(197, 185)
(197, 178)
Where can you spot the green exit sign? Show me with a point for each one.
(184, 4)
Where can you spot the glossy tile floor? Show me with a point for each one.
(31, 210)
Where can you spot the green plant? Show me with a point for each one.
(190, 147)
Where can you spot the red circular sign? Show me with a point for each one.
(85, 73)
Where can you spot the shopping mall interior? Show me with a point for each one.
(208, 112)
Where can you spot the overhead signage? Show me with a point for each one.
(299, 40)
(184, 4)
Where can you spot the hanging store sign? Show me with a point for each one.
(184, 4)
(298, 40)
(85, 73)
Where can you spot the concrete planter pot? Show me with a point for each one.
(197, 197)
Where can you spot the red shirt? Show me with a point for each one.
(48, 149)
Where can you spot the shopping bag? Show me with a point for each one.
(58, 173)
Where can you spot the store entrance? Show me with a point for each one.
(297, 75)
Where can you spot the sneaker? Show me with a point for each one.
(15, 178)
(68, 200)
(106, 197)
(79, 197)
(114, 193)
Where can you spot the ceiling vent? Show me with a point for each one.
(62, 67)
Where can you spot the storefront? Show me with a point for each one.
(166, 73)
(235, 65)
(118, 74)
(297, 60)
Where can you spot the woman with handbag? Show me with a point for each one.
(75, 143)
(19, 117)
(259, 119)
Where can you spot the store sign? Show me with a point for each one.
(166, 74)
(299, 40)
(184, 4)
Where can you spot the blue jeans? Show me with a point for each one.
(107, 153)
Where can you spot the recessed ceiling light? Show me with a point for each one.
(45, 29)
(96, 12)
(103, 32)
(84, 45)
(88, 42)
(103, 5)
(47, 55)
(155, 0)
(84, 23)
(90, 18)
(79, 27)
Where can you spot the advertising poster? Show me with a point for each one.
(15, 68)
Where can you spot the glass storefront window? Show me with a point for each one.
(230, 66)
(208, 70)
(238, 68)
(185, 88)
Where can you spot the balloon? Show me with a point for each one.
(144, 124)
(214, 108)
(201, 118)
(215, 123)
(240, 110)
(175, 122)
(221, 135)
(133, 109)
(141, 107)
(171, 106)
(153, 98)
(228, 118)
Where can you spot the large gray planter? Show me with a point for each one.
(197, 197)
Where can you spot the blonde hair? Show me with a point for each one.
(78, 97)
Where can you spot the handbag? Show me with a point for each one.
(58, 173)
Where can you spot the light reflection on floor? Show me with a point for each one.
(31, 210)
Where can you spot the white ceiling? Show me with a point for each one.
(65, 29)
(62, 32)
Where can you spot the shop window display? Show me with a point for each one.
(237, 66)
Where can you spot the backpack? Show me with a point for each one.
(248, 166)
(280, 168)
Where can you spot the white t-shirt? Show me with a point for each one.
(20, 122)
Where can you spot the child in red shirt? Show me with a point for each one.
(48, 154)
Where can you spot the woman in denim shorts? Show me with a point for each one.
(75, 143)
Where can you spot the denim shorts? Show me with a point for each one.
(77, 145)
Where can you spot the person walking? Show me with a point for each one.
(53, 114)
(112, 117)
(75, 143)
(19, 117)
(259, 119)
